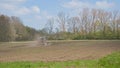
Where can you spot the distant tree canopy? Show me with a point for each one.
(12, 29)
(6, 32)
(87, 24)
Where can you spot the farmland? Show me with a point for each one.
(59, 53)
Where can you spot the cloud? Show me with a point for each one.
(13, 1)
(104, 4)
(38, 17)
(6, 6)
(28, 10)
(17, 8)
(46, 15)
(23, 11)
(75, 4)
(36, 9)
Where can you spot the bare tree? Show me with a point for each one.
(118, 26)
(62, 20)
(93, 20)
(73, 24)
(114, 20)
(84, 23)
(50, 25)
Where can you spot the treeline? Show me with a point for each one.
(12, 29)
(88, 24)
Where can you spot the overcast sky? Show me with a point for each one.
(34, 13)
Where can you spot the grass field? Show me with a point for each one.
(65, 64)
(59, 54)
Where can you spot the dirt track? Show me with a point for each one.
(57, 51)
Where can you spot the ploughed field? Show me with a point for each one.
(57, 50)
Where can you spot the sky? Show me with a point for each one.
(35, 13)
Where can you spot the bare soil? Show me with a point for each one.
(57, 50)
